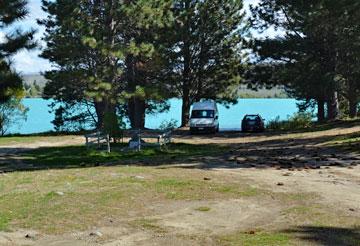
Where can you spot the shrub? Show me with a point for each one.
(300, 120)
(11, 113)
(168, 125)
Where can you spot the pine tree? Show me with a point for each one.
(205, 51)
(347, 31)
(309, 57)
(105, 53)
(15, 40)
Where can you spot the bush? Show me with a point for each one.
(168, 125)
(298, 121)
(12, 113)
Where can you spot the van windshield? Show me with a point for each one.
(199, 114)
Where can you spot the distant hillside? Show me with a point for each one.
(29, 79)
(276, 92)
(34, 85)
(36, 79)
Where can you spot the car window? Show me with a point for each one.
(252, 117)
(196, 114)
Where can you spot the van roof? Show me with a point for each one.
(204, 105)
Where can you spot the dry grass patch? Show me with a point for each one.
(203, 209)
(148, 224)
(59, 201)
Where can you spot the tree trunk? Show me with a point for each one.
(185, 111)
(333, 106)
(186, 76)
(353, 99)
(321, 111)
(136, 109)
(100, 113)
(353, 104)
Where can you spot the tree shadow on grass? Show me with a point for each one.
(290, 153)
(303, 153)
(327, 236)
(82, 157)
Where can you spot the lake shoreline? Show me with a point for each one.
(39, 116)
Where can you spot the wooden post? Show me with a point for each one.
(139, 141)
(108, 143)
(98, 139)
(87, 141)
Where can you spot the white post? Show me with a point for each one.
(108, 143)
(139, 141)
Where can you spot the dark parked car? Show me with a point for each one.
(252, 123)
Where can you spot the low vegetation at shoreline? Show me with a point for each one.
(295, 122)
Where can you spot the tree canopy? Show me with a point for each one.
(10, 44)
(130, 56)
(106, 55)
(309, 56)
(206, 51)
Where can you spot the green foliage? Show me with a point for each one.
(33, 89)
(112, 125)
(168, 124)
(11, 87)
(15, 40)
(317, 49)
(11, 112)
(297, 121)
(10, 82)
(73, 117)
(106, 52)
(204, 52)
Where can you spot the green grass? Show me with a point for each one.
(80, 156)
(190, 189)
(23, 139)
(350, 141)
(319, 215)
(59, 201)
(255, 238)
(248, 192)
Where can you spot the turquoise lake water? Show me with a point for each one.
(39, 117)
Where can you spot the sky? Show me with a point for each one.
(29, 62)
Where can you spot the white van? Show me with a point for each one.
(204, 117)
